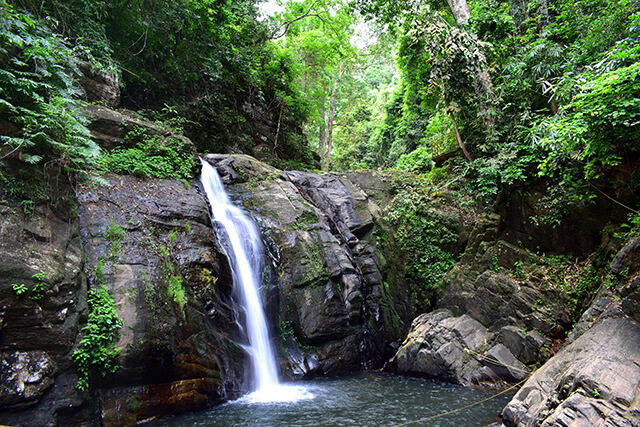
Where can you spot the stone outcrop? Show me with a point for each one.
(42, 300)
(458, 350)
(99, 86)
(334, 313)
(594, 379)
(153, 241)
(110, 127)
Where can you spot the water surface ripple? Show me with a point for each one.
(365, 400)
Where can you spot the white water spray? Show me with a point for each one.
(240, 239)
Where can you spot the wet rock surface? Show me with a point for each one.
(320, 229)
(42, 302)
(153, 242)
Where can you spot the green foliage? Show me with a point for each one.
(38, 289)
(115, 234)
(38, 95)
(425, 236)
(97, 350)
(418, 161)
(152, 155)
(176, 291)
(19, 289)
(602, 121)
(205, 66)
(23, 188)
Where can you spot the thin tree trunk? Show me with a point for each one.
(332, 113)
(459, 138)
(275, 144)
(460, 11)
(322, 137)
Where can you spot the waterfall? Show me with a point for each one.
(240, 238)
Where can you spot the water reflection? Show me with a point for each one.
(364, 400)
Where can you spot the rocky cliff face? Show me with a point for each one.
(149, 243)
(332, 310)
(594, 379)
(42, 299)
(171, 287)
(152, 242)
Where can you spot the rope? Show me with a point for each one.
(464, 407)
(495, 361)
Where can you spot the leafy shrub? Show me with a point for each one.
(38, 95)
(97, 349)
(152, 155)
(423, 234)
(418, 161)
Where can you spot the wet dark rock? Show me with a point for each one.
(150, 236)
(321, 230)
(42, 303)
(25, 377)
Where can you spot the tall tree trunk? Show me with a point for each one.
(460, 11)
(332, 113)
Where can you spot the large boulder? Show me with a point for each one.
(99, 86)
(592, 381)
(458, 350)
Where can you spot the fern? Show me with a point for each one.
(39, 95)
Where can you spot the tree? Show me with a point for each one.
(318, 34)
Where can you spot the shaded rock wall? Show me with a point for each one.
(154, 242)
(42, 300)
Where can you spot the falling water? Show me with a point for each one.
(240, 239)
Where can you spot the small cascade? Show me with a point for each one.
(240, 239)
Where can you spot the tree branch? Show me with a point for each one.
(346, 127)
(286, 25)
